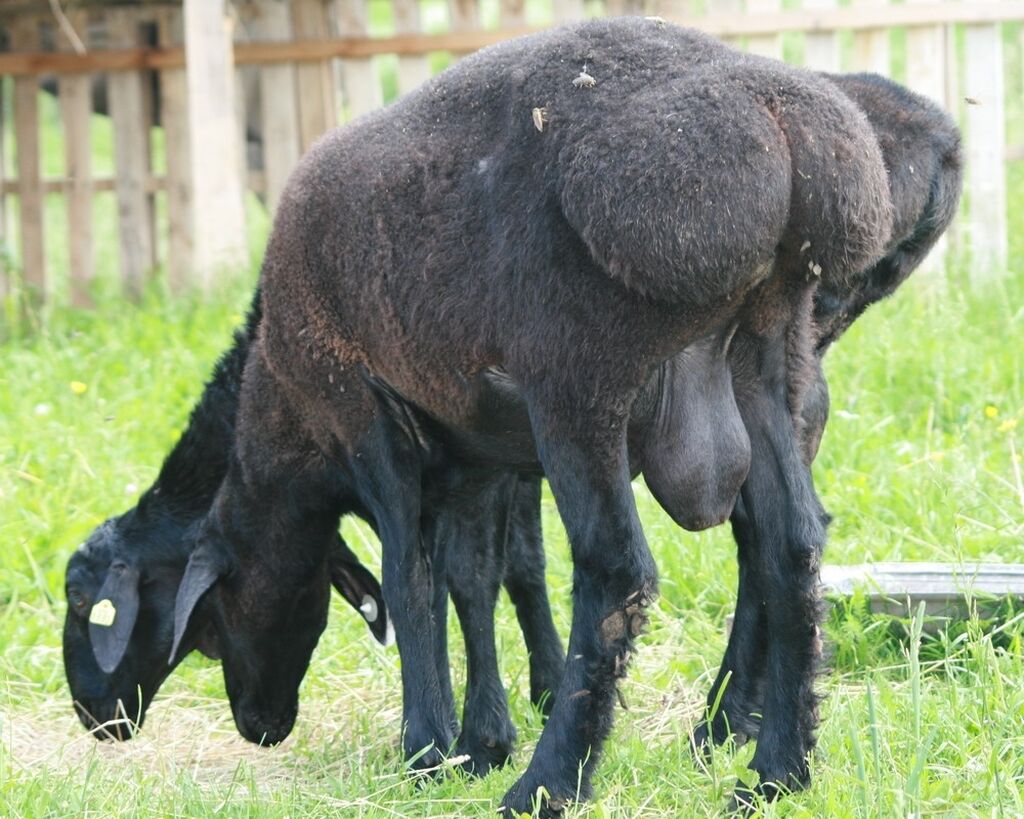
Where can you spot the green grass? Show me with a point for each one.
(918, 463)
(921, 461)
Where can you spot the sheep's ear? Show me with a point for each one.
(204, 569)
(360, 590)
(112, 617)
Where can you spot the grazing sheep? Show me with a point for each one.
(921, 149)
(436, 249)
(121, 583)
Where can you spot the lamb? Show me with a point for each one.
(115, 666)
(437, 251)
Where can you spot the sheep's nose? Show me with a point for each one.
(106, 721)
(263, 730)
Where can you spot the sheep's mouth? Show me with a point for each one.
(108, 723)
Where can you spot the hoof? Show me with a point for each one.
(532, 799)
(484, 754)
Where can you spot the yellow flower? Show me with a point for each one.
(937, 456)
(991, 412)
(1007, 425)
(236, 318)
(78, 387)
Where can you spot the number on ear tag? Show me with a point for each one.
(103, 613)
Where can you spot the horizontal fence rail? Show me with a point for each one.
(211, 104)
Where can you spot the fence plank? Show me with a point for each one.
(821, 49)
(871, 46)
(926, 59)
(131, 159)
(218, 223)
(282, 143)
(463, 15)
(5, 282)
(767, 45)
(985, 148)
(25, 35)
(174, 106)
(362, 88)
(513, 13)
(76, 109)
(315, 80)
(566, 10)
(412, 69)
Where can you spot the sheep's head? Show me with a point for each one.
(118, 626)
(121, 587)
(268, 619)
(921, 148)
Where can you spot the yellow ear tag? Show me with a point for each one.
(103, 613)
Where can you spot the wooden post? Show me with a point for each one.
(25, 37)
(926, 74)
(5, 283)
(279, 115)
(821, 50)
(463, 15)
(871, 46)
(174, 107)
(218, 217)
(362, 88)
(131, 157)
(926, 58)
(512, 13)
(767, 45)
(315, 80)
(566, 10)
(76, 110)
(413, 70)
(730, 7)
(985, 149)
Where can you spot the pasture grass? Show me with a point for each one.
(921, 461)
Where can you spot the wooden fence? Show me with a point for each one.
(237, 91)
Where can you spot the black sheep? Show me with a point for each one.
(666, 194)
(132, 564)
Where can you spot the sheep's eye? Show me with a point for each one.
(77, 600)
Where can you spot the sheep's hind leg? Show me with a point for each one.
(614, 580)
(787, 522)
(735, 700)
(528, 590)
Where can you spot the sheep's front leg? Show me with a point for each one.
(614, 579)
(735, 700)
(388, 479)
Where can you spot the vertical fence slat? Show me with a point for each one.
(871, 46)
(767, 45)
(926, 57)
(362, 88)
(314, 80)
(25, 37)
(512, 13)
(174, 109)
(463, 15)
(565, 10)
(5, 282)
(131, 157)
(282, 143)
(986, 148)
(76, 108)
(218, 223)
(821, 50)
(412, 69)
